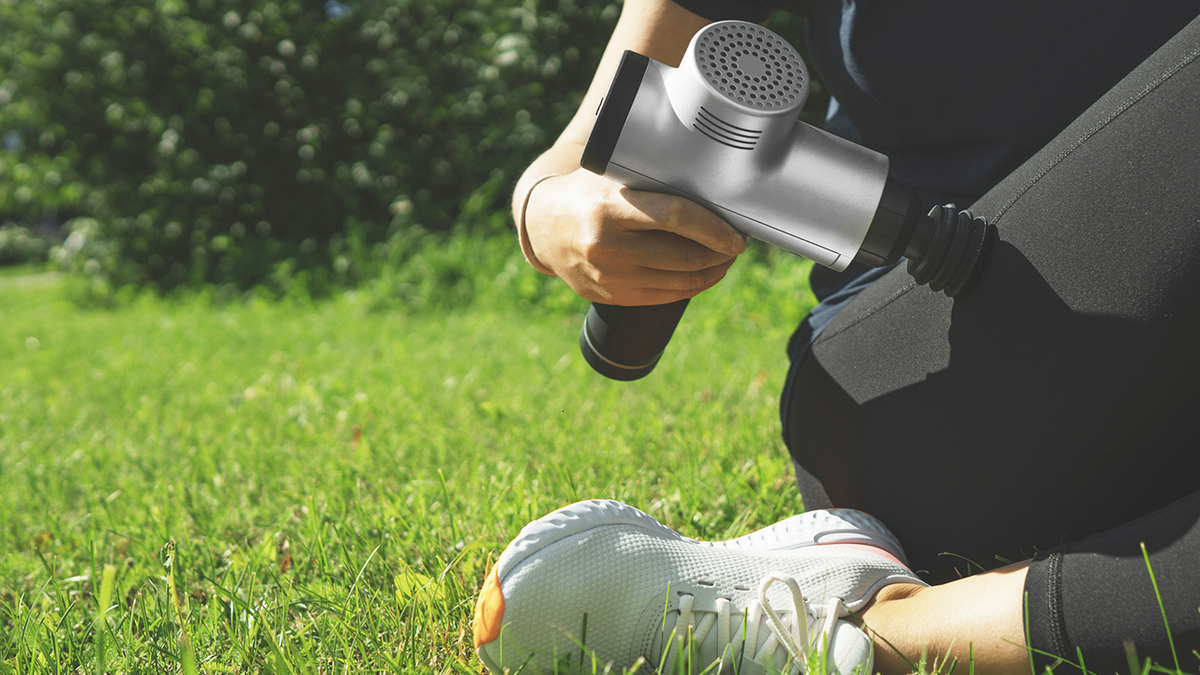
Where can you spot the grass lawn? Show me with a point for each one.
(320, 487)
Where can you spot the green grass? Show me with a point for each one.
(198, 485)
(220, 484)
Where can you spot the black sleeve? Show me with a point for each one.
(755, 11)
(1094, 597)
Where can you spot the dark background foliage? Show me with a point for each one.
(236, 143)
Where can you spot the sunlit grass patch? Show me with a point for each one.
(315, 487)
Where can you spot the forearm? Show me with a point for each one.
(659, 29)
(612, 245)
(978, 617)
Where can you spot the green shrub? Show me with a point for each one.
(235, 143)
(22, 245)
(254, 143)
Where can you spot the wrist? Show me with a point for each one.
(522, 231)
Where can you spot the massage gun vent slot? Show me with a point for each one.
(751, 66)
(725, 133)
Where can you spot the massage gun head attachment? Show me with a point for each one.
(945, 246)
(946, 249)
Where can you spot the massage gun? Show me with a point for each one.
(722, 130)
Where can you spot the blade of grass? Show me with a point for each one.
(1161, 608)
(102, 633)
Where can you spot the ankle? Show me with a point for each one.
(885, 620)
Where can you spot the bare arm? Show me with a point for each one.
(980, 616)
(609, 243)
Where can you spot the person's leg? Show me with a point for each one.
(1054, 400)
(1095, 596)
(1057, 397)
(833, 290)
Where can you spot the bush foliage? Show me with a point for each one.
(239, 143)
(22, 245)
(280, 143)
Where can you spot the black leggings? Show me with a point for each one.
(1056, 399)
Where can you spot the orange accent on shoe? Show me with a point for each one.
(489, 609)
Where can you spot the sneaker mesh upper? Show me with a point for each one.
(627, 573)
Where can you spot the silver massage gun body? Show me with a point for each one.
(722, 130)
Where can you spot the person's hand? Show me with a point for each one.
(627, 247)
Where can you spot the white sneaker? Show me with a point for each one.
(602, 584)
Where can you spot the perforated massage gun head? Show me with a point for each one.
(722, 130)
(752, 85)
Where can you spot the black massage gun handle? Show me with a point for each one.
(625, 343)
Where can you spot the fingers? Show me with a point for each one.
(657, 287)
(627, 247)
(619, 249)
(654, 231)
(616, 275)
(667, 213)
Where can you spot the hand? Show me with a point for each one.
(627, 247)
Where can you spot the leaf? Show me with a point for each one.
(414, 587)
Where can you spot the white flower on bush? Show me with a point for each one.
(168, 142)
(114, 113)
(510, 49)
(85, 248)
(77, 239)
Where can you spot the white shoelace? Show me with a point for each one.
(790, 632)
